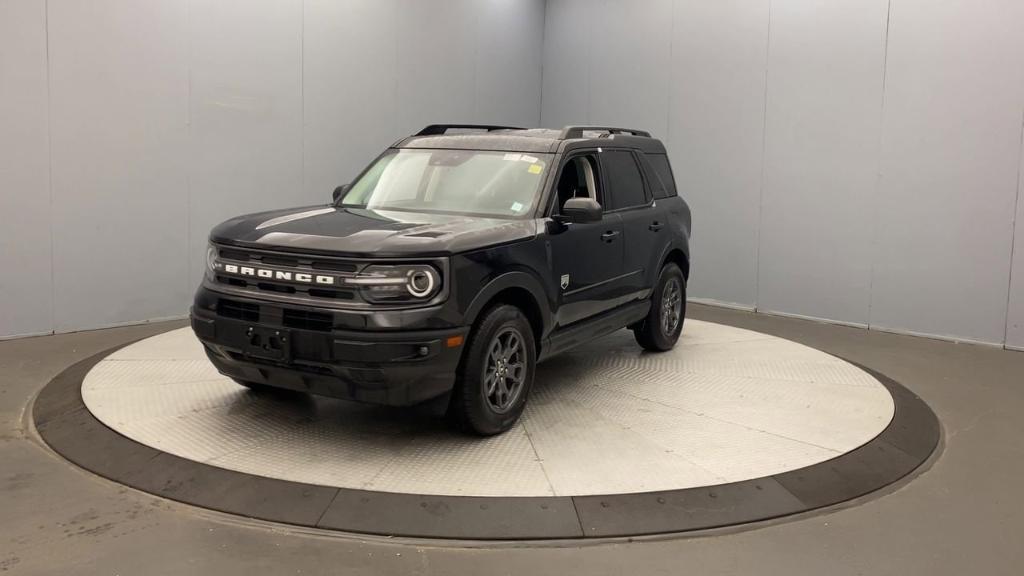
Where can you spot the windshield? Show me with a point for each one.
(460, 181)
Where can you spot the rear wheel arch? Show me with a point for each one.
(679, 258)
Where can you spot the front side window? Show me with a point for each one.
(577, 180)
(470, 182)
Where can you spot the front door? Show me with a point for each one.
(586, 259)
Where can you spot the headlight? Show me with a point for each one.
(402, 283)
(211, 262)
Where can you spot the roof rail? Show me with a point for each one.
(570, 132)
(438, 129)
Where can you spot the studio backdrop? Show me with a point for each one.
(852, 161)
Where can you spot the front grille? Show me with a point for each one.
(231, 254)
(290, 317)
(238, 310)
(282, 288)
(332, 293)
(307, 264)
(287, 260)
(303, 320)
(334, 266)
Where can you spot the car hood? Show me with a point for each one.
(362, 232)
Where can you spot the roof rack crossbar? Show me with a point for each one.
(438, 129)
(570, 132)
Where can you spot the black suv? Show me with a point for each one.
(457, 260)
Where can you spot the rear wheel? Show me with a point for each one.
(661, 329)
(496, 373)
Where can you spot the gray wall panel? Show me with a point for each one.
(509, 47)
(605, 63)
(824, 100)
(949, 159)
(26, 304)
(1015, 314)
(715, 138)
(245, 140)
(436, 75)
(628, 81)
(870, 180)
(348, 89)
(118, 85)
(165, 117)
(566, 82)
(356, 98)
(168, 117)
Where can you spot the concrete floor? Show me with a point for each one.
(964, 514)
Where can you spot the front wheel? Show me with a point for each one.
(495, 374)
(660, 330)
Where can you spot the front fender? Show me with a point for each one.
(513, 279)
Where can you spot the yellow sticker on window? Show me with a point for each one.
(535, 169)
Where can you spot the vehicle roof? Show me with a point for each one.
(536, 140)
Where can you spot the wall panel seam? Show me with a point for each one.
(590, 60)
(1013, 232)
(49, 167)
(878, 165)
(302, 97)
(543, 48)
(476, 67)
(188, 148)
(670, 84)
(764, 146)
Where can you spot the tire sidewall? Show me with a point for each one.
(471, 396)
(668, 272)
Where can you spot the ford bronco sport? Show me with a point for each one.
(461, 257)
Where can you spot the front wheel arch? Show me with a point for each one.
(519, 289)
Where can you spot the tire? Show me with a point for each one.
(496, 373)
(659, 331)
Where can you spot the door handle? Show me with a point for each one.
(655, 226)
(610, 235)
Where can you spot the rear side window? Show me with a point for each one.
(664, 173)
(625, 185)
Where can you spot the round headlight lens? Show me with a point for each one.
(211, 258)
(421, 282)
(398, 283)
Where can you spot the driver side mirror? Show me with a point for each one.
(581, 210)
(340, 191)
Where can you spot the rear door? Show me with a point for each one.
(642, 221)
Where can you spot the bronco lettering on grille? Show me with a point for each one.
(279, 275)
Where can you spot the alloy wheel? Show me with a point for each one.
(671, 307)
(505, 370)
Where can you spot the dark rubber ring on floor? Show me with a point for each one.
(68, 427)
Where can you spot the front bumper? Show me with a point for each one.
(395, 367)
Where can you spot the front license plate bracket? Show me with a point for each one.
(268, 343)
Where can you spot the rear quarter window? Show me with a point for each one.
(663, 171)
